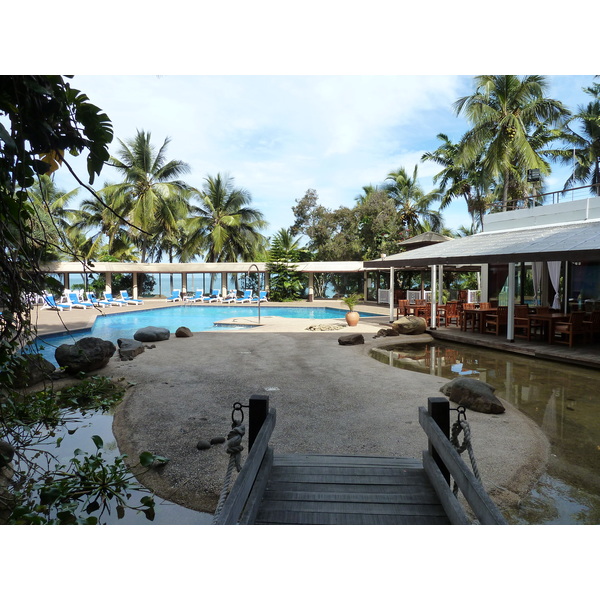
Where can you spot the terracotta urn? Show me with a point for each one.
(352, 318)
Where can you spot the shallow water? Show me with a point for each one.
(561, 399)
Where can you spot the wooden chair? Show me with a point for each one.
(402, 308)
(496, 322)
(485, 305)
(565, 332)
(467, 321)
(522, 323)
(448, 314)
(593, 324)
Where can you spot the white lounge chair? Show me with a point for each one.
(197, 297)
(247, 297)
(214, 297)
(175, 296)
(92, 298)
(77, 303)
(126, 298)
(109, 298)
(50, 302)
(231, 297)
(262, 296)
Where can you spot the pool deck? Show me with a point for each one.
(587, 355)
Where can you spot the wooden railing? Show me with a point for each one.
(442, 460)
(243, 500)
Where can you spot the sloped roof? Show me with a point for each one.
(425, 239)
(571, 241)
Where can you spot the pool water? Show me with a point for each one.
(196, 318)
(562, 399)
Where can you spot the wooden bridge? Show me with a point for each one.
(307, 489)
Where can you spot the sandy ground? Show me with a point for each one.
(329, 399)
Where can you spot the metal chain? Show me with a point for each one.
(459, 426)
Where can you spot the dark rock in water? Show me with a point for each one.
(217, 440)
(87, 354)
(351, 339)
(129, 349)
(183, 332)
(152, 334)
(410, 325)
(203, 445)
(32, 369)
(390, 331)
(474, 394)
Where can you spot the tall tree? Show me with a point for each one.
(412, 203)
(152, 185)
(224, 227)
(504, 112)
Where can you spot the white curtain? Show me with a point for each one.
(554, 272)
(536, 275)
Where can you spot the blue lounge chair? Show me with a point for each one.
(247, 297)
(175, 296)
(231, 297)
(109, 298)
(214, 297)
(126, 298)
(50, 302)
(77, 303)
(262, 296)
(92, 298)
(197, 297)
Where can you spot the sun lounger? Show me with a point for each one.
(92, 298)
(126, 298)
(175, 296)
(262, 296)
(214, 297)
(197, 297)
(247, 297)
(231, 297)
(109, 298)
(50, 302)
(77, 303)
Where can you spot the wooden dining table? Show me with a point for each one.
(547, 321)
(478, 320)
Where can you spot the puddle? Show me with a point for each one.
(561, 399)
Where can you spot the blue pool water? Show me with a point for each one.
(197, 318)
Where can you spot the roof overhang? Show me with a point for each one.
(573, 241)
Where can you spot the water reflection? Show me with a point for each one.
(561, 399)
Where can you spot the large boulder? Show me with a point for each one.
(152, 334)
(410, 325)
(474, 394)
(183, 332)
(87, 354)
(351, 339)
(129, 349)
(32, 369)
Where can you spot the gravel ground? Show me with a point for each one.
(330, 399)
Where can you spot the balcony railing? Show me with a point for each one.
(578, 193)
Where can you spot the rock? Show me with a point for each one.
(32, 369)
(183, 332)
(217, 440)
(87, 354)
(474, 394)
(386, 332)
(203, 445)
(351, 339)
(410, 325)
(129, 349)
(152, 334)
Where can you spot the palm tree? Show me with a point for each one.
(584, 147)
(153, 188)
(456, 180)
(412, 203)
(505, 110)
(224, 227)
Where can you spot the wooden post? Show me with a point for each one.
(258, 411)
(439, 409)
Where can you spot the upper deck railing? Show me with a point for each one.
(577, 193)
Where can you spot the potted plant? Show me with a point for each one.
(352, 316)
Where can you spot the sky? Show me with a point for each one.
(278, 136)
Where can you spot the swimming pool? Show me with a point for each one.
(196, 318)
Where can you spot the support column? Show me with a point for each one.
(392, 295)
(184, 283)
(510, 319)
(108, 283)
(311, 284)
(433, 297)
(135, 285)
(223, 284)
(441, 285)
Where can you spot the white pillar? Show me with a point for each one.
(135, 285)
(223, 284)
(108, 283)
(392, 294)
(441, 285)
(433, 302)
(311, 284)
(184, 283)
(510, 319)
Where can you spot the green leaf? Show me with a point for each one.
(98, 441)
(146, 459)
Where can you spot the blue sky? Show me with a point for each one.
(281, 135)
